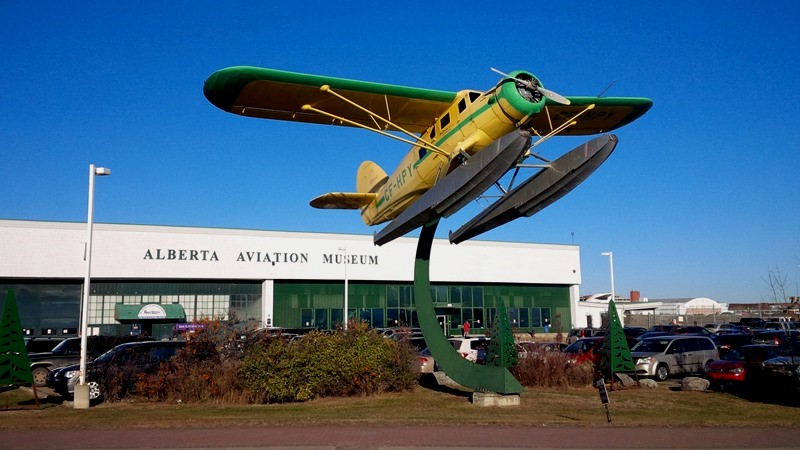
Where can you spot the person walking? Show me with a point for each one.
(465, 328)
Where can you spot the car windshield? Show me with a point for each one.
(735, 355)
(651, 345)
(105, 356)
(67, 345)
(579, 346)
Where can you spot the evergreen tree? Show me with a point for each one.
(619, 351)
(15, 367)
(502, 350)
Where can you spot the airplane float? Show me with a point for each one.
(462, 143)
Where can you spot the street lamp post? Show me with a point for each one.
(345, 286)
(81, 390)
(611, 264)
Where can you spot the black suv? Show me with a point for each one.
(42, 344)
(69, 352)
(119, 366)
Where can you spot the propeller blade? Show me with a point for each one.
(554, 96)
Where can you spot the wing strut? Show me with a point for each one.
(419, 141)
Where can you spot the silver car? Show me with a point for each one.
(662, 356)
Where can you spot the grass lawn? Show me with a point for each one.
(662, 407)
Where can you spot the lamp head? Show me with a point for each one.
(102, 171)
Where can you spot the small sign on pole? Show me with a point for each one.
(601, 388)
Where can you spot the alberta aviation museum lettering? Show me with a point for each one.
(169, 254)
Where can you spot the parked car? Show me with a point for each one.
(391, 331)
(782, 378)
(580, 333)
(724, 328)
(529, 348)
(752, 322)
(471, 347)
(662, 356)
(782, 325)
(692, 329)
(634, 331)
(69, 352)
(728, 342)
(42, 344)
(740, 365)
(662, 328)
(120, 365)
(424, 362)
(777, 337)
(650, 334)
(582, 350)
(588, 349)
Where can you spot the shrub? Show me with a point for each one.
(552, 369)
(206, 369)
(355, 361)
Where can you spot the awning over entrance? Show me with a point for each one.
(150, 313)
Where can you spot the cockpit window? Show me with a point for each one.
(445, 121)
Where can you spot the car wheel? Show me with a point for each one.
(95, 392)
(662, 372)
(40, 376)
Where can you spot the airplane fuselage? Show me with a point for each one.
(472, 122)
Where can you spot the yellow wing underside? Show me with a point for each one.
(280, 95)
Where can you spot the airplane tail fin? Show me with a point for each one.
(369, 179)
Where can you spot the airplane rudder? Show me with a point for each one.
(370, 177)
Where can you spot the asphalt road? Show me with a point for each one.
(386, 437)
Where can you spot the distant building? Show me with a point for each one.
(591, 309)
(766, 309)
(690, 306)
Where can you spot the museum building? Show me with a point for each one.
(154, 278)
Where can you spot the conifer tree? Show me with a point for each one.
(502, 350)
(15, 367)
(619, 351)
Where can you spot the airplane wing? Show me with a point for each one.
(608, 114)
(280, 95)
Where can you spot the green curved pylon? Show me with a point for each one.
(468, 374)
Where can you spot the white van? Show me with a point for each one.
(662, 356)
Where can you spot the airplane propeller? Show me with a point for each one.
(531, 85)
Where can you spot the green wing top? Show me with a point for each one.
(609, 113)
(280, 95)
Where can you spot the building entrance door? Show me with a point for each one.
(444, 323)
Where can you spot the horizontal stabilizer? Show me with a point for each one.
(343, 200)
(465, 183)
(542, 189)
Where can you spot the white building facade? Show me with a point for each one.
(269, 278)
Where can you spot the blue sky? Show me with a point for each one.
(700, 198)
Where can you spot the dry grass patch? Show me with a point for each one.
(661, 407)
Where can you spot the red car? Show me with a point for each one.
(733, 370)
(588, 349)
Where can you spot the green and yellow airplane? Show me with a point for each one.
(444, 129)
